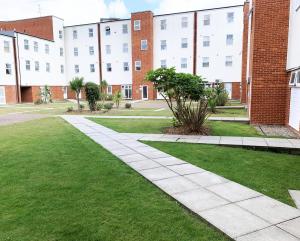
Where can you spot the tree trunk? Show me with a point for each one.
(78, 103)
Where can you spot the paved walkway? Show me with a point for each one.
(220, 140)
(13, 118)
(241, 213)
(231, 119)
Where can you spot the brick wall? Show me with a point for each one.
(236, 90)
(11, 94)
(40, 27)
(57, 92)
(245, 54)
(146, 56)
(116, 88)
(269, 80)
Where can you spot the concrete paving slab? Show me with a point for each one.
(295, 194)
(233, 191)
(143, 165)
(199, 200)
(206, 179)
(133, 158)
(210, 140)
(185, 169)
(269, 234)
(236, 141)
(233, 220)
(295, 142)
(122, 152)
(291, 226)
(158, 173)
(270, 209)
(188, 140)
(174, 185)
(169, 161)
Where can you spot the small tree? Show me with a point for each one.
(76, 85)
(117, 98)
(92, 95)
(103, 87)
(45, 94)
(185, 96)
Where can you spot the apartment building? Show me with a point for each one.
(271, 62)
(122, 51)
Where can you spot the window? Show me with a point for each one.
(76, 68)
(6, 47)
(8, 70)
(163, 24)
(76, 53)
(47, 67)
(144, 44)
(125, 28)
(92, 68)
(107, 30)
(91, 32)
(205, 62)
(60, 34)
(109, 90)
(61, 52)
(206, 41)
(36, 66)
(230, 17)
(27, 65)
(108, 67)
(107, 49)
(91, 50)
(125, 48)
(295, 78)
(36, 46)
(183, 63)
(229, 39)
(184, 43)
(26, 44)
(298, 78)
(62, 69)
(126, 66)
(229, 61)
(206, 20)
(138, 65)
(127, 91)
(137, 25)
(163, 63)
(163, 44)
(47, 50)
(184, 22)
(75, 34)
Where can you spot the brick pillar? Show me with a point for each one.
(236, 91)
(145, 56)
(245, 54)
(268, 56)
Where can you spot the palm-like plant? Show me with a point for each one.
(76, 85)
(103, 86)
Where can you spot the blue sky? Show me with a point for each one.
(139, 5)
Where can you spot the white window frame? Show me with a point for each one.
(108, 49)
(76, 52)
(125, 48)
(125, 28)
(36, 46)
(295, 78)
(184, 43)
(126, 91)
(206, 20)
(92, 68)
(229, 61)
(206, 41)
(8, 69)
(26, 44)
(137, 25)
(163, 45)
(62, 69)
(184, 22)
(163, 63)
(27, 65)
(230, 17)
(91, 50)
(108, 67)
(125, 66)
(76, 68)
(138, 65)
(107, 31)
(37, 66)
(75, 34)
(6, 45)
(205, 62)
(229, 40)
(91, 32)
(48, 68)
(61, 51)
(163, 24)
(47, 49)
(144, 44)
(60, 34)
(183, 63)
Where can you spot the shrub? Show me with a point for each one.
(108, 106)
(185, 95)
(212, 99)
(109, 97)
(81, 107)
(38, 102)
(45, 95)
(92, 95)
(70, 109)
(222, 95)
(128, 106)
(99, 106)
(117, 98)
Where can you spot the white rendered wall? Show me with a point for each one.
(218, 50)
(294, 36)
(84, 59)
(173, 35)
(116, 40)
(7, 58)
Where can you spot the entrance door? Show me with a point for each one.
(228, 88)
(145, 92)
(295, 109)
(65, 92)
(2, 95)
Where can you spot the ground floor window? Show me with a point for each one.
(127, 91)
(109, 90)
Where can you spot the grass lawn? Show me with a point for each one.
(56, 184)
(270, 173)
(154, 126)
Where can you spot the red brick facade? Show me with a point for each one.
(41, 27)
(244, 81)
(57, 92)
(11, 94)
(268, 55)
(236, 91)
(145, 56)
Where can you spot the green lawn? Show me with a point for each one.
(270, 173)
(56, 184)
(156, 126)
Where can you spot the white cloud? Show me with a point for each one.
(169, 6)
(72, 11)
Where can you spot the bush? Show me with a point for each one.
(92, 95)
(109, 97)
(221, 93)
(128, 106)
(117, 98)
(38, 102)
(108, 106)
(81, 107)
(70, 109)
(99, 106)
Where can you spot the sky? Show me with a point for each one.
(89, 11)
